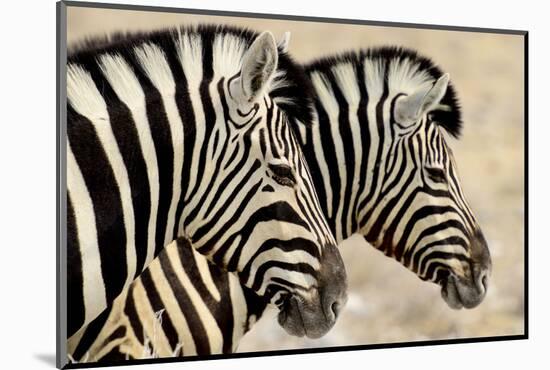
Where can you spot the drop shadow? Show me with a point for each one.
(47, 358)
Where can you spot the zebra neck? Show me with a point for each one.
(347, 156)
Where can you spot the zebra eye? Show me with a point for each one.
(282, 174)
(436, 174)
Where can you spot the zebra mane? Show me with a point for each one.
(412, 68)
(289, 88)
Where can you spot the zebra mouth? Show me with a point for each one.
(462, 293)
(290, 318)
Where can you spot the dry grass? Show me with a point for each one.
(388, 303)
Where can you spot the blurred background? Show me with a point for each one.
(388, 303)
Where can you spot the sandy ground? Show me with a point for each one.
(387, 303)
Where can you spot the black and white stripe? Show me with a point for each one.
(173, 133)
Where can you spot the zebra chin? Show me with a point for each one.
(315, 315)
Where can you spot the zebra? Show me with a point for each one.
(383, 169)
(181, 305)
(357, 96)
(185, 132)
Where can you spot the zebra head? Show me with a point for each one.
(439, 239)
(262, 219)
(421, 217)
(382, 167)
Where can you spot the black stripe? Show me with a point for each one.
(346, 136)
(442, 255)
(162, 140)
(327, 146)
(119, 333)
(133, 317)
(221, 311)
(193, 214)
(223, 186)
(365, 142)
(187, 114)
(308, 148)
(126, 135)
(210, 244)
(90, 335)
(103, 189)
(271, 130)
(157, 304)
(295, 244)
(209, 112)
(419, 214)
(380, 124)
(259, 276)
(378, 224)
(75, 297)
(432, 230)
(115, 356)
(247, 144)
(278, 211)
(454, 240)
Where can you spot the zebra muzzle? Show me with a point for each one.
(313, 316)
(468, 292)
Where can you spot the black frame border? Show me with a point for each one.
(61, 273)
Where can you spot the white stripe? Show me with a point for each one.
(152, 328)
(295, 277)
(278, 255)
(206, 277)
(240, 311)
(329, 103)
(189, 48)
(318, 84)
(347, 81)
(156, 67)
(269, 229)
(93, 287)
(374, 83)
(227, 54)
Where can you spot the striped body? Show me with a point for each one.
(185, 133)
(380, 179)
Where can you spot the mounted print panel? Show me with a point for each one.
(248, 184)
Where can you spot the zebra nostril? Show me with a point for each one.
(335, 308)
(483, 281)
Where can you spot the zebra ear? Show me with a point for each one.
(284, 42)
(259, 65)
(410, 108)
